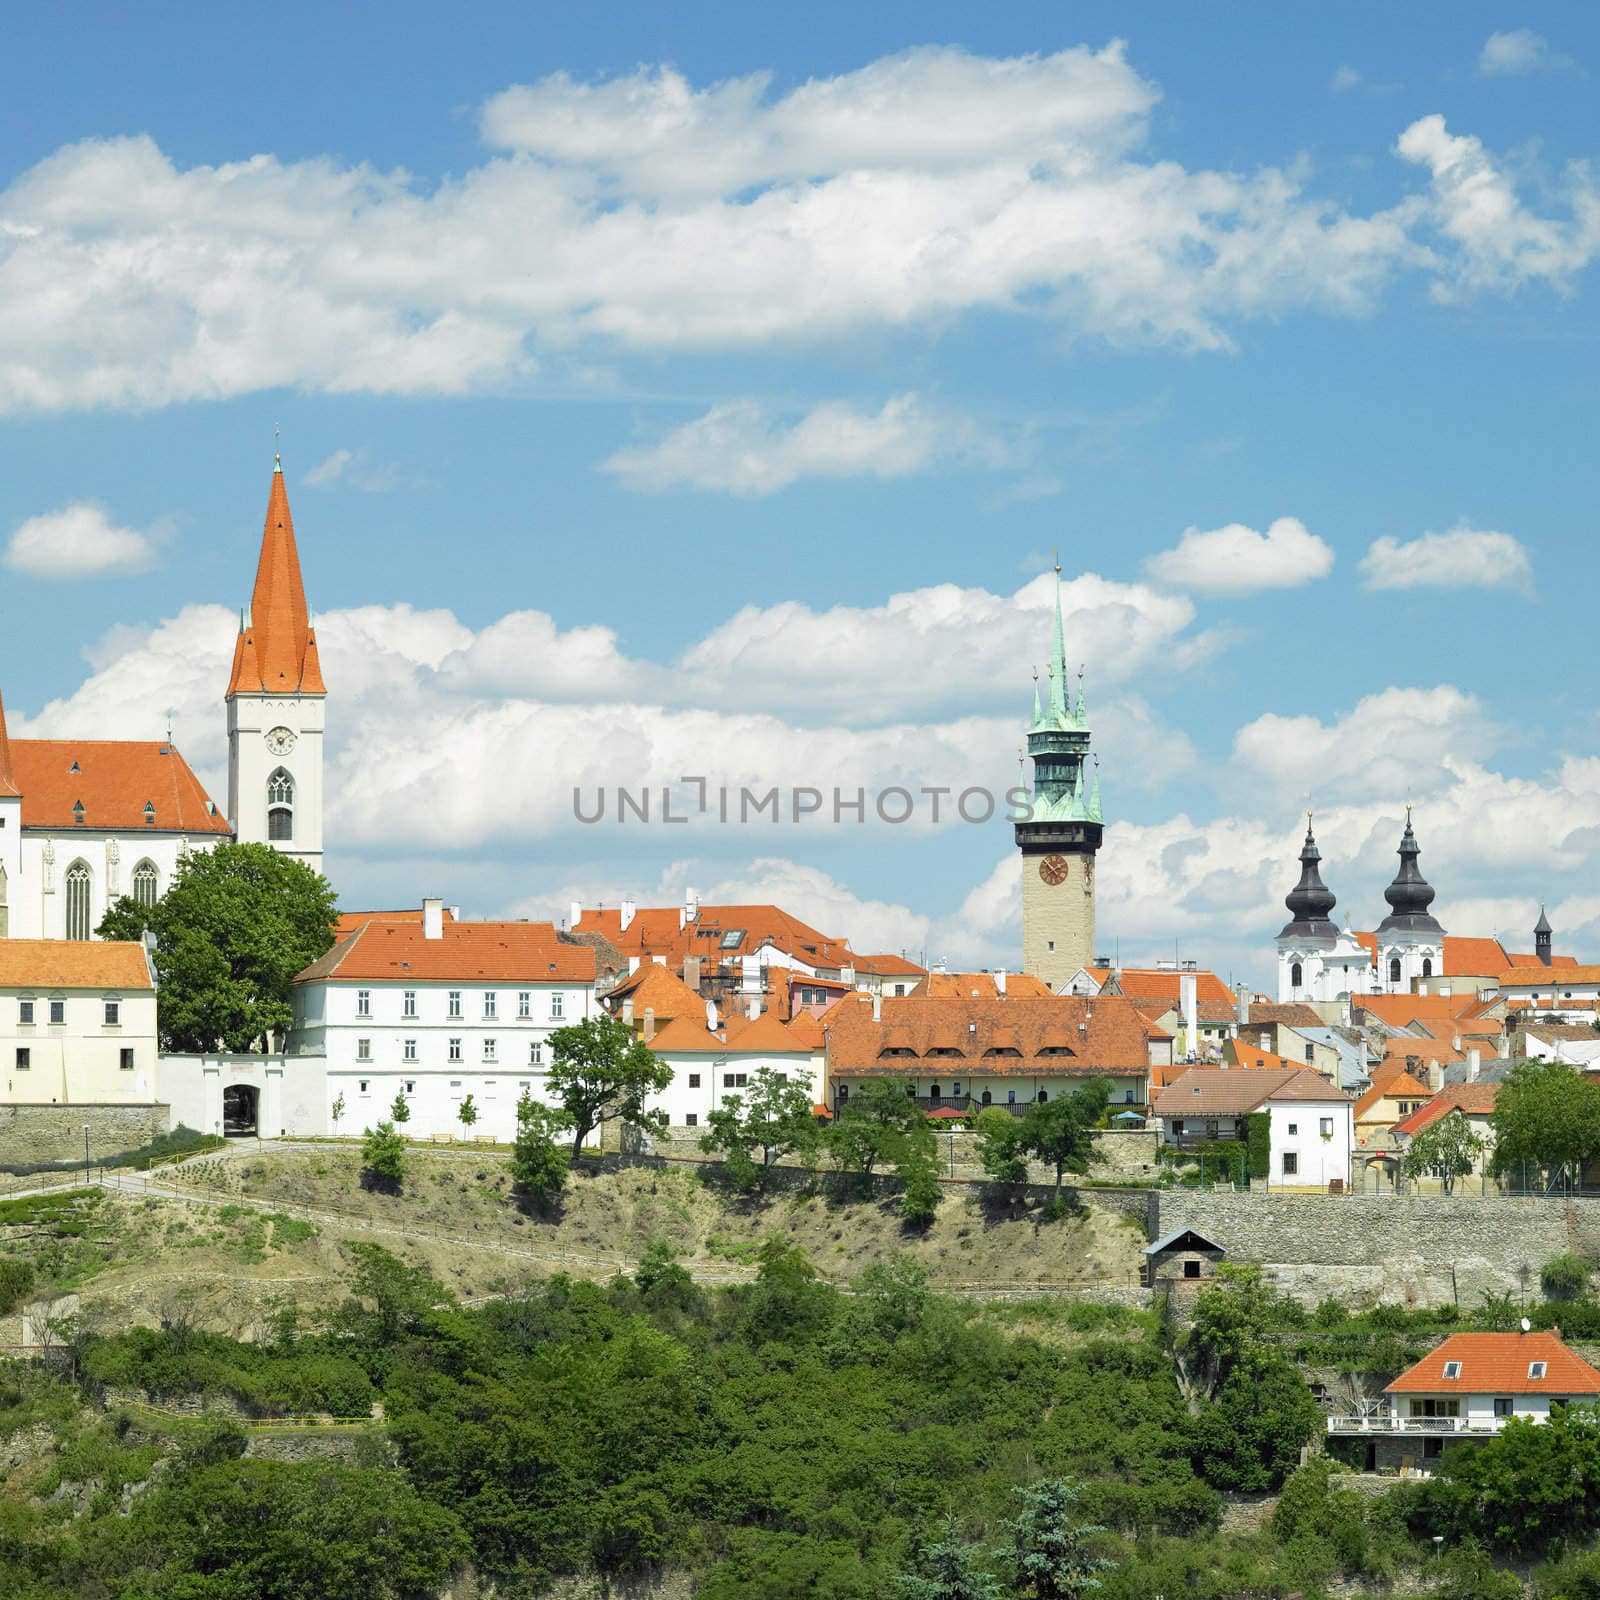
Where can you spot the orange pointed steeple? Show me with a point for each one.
(277, 648)
(8, 776)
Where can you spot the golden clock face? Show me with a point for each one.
(1054, 869)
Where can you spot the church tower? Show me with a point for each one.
(1061, 834)
(276, 700)
(1410, 940)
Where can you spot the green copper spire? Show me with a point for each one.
(1038, 712)
(1058, 741)
(1060, 705)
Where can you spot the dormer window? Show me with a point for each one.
(149, 815)
(1536, 1369)
(77, 812)
(1452, 1369)
(74, 767)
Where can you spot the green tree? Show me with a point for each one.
(918, 1172)
(467, 1115)
(236, 926)
(400, 1112)
(1060, 1132)
(660, 1273)
(538, 1163)
(1447, 1149)
(401, 1297)
(754, 1131)
(873, 1126)
(1547, 1117)
(383, 1158)
(336, 1111)
(949, 1568)
(1000, 1148)
(1050, 1548)
(600, 1073)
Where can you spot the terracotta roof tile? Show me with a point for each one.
(1537, 977)
(1471, 1099)
(1243, 1054)
(113, 780)
(349, 921)
(276, 652)
(655, 931)
(889, 966)
(1400, 1010)
(493, 952)
(1392, 1086)
(72, 964)
(979, 986)
(1162, 983)
(1498, 1363)
(1228, 1091)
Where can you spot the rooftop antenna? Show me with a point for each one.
(169, 724)
(1056, 552)
(277, 458)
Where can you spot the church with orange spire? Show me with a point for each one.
(84, 822)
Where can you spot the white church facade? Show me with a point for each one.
(84, 822)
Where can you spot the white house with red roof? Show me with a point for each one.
(1469, 1387)
(84, 822)
(436, 1010)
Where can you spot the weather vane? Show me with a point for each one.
(1056, 552)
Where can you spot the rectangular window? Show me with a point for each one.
(24, 1058)
(535, 1053)
(1502, 1405)
(489, 1002)
(411, 1050)
(363, 1002)
(363, 1049)
(455, 1049)
(25, 1013)
(127, 1060)
(740, 1079)
(411, 1085)
(524, 1002)
(727, 1080)
(558, 1003)
(1294, 1128)
(58, 1012)
(1326, 1127)
(361, 1085)
(691, 1121)
(408, 1007)
(694, 1080)
(455, 1002)
(113, 1013)
(488, 1050)
(1291, 1163)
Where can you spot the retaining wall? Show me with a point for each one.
(30, 1133)
(1406, 1249)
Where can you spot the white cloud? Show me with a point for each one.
(645, 214)
(1238, 560)
(1463, 558)
(1496, 242)
(331, 469)
(1344, 78)
(79, 541)
(355, 468)
(1519, 51)
(739, 448)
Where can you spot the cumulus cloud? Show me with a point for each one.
(645, 213)
(1495, 242)
(1463, 558)
(1518, 51)
(740, 448)
(1238, 560)
(357, 470)
(79, 541)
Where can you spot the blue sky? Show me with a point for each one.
(621, 388)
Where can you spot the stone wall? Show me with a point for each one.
(1405, 1250)
(32, 1133)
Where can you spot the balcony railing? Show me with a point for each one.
(1387, 1422)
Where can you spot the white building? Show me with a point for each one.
(438, 1010)
(84, 822)
(712, 1054)
(1310, 1123)
(77, 1023)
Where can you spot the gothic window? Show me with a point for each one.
(1296, 977)
(78, 900)
(1394, 969)
(280, 806)
(1427, 966)
(144, 883)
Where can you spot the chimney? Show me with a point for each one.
(1188, 999)
(1000, 980)
(750, 975)
(847, 974)
(1242, 1012)
(691, 905)
(753, 1007)
(627, 1009)
(628, 909)
(1474, 1064)
(633, 965)
(877, 1008)
(1436, 1075)
(576, 914)
(649, 1023)
(433, 919)
(691, 972)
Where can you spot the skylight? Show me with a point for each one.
(1452, 1369)
(1536, 1369)
(732, 938)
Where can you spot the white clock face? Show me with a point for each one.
(280, 741)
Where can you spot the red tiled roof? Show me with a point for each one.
(113, 780)
(1392, 1086)
(496, 952)
(73, 964)
(1162, 983)
(687, 1035)
(276, 651)
(8, 782)
(1406, 1045)
(1242, 1054)
(1498, 1363)
(1226, 1091)
(1471, 1099)
(349, 921)
(1399, 1010)
(655, 931)
(1537, 977)
(1093, 1035)
(979, 986)
(1296, 1015)
(889, 966)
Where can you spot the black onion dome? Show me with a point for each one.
(1310, 900)
(1543, 924)
(1410, 894)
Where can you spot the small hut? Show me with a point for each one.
(1181, 1256)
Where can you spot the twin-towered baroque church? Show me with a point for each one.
(86, 821)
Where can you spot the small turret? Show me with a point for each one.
(1410, 894)
(1310, 900)
(1541, 939)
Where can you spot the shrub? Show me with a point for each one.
(1564, 1277)
(16, 1284)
